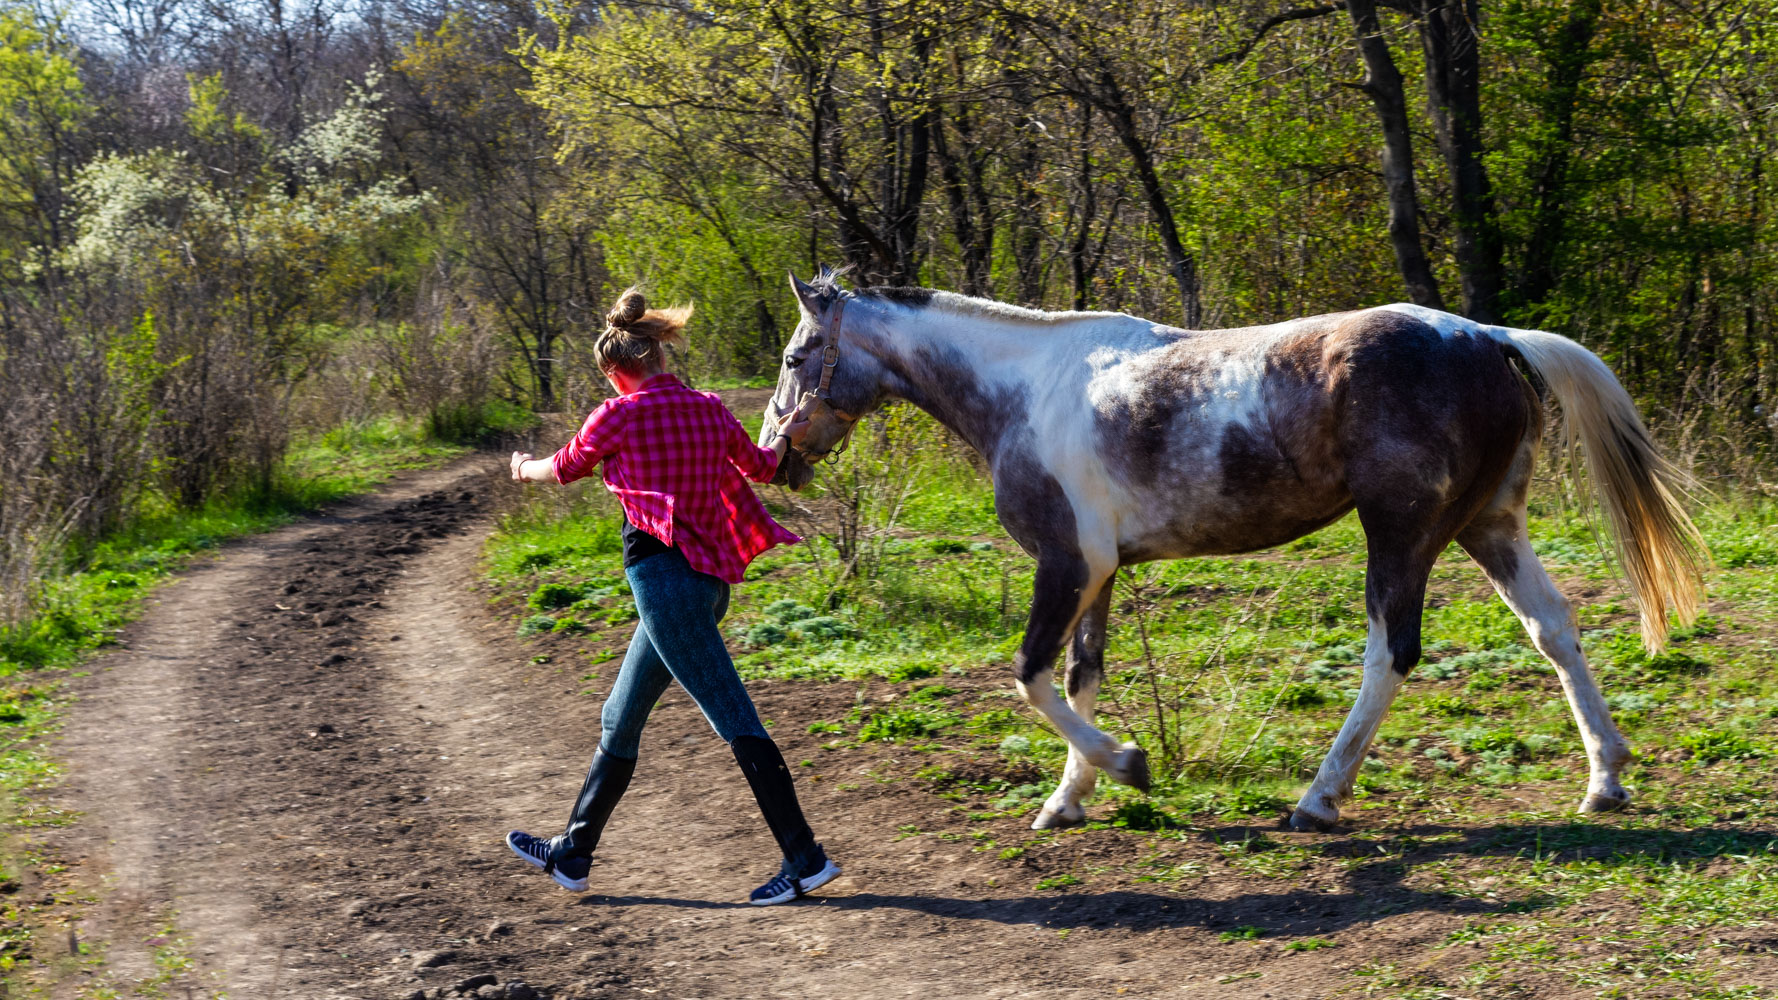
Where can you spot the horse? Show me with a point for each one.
(1115, 440)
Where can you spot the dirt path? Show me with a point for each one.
(307, 755)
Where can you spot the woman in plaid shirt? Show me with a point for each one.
(676, 459)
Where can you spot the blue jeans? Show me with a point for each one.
(676, 640)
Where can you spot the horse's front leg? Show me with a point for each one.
(1065, 588)
(1086, 669)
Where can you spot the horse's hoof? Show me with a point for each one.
(1133, 768)
(1303, 821)
(1598, 802)
(1049, 820)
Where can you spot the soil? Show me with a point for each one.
(306, 755)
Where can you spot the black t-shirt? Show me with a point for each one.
(639, 544)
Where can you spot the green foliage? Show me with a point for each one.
(904, 722)
(1245, 932)
(1140, 815)
(553, 596)
(1501, 741)
(1712, 745)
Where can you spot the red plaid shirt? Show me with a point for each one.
(675, 457)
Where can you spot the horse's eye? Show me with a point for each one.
(790, 361)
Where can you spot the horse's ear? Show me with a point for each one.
(806, 294)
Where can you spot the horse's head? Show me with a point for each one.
(826, 371)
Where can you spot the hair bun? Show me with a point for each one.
(631, 306)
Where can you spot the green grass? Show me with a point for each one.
(1250, 667)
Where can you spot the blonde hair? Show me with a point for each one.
(634, 333)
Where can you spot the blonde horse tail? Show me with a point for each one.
(1656, 543)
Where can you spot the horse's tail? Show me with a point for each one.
(1656, 543)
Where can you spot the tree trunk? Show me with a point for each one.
(1568, 63)
(1451, 42)
(1180, 262)
(1382, 82)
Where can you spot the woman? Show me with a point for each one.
(675, 458)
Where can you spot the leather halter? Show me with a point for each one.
(830, 359)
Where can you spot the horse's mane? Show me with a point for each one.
(827, 284)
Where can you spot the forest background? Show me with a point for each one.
(233, 231)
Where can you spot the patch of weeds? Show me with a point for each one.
(903, 672)
(1712, 745)
(931, 692)
(536, 625)
(821, 628)
(1243, 801)
(902, 722)
(552, 597)
(1014, 746)
(1673, 663)
(766, 634)
(1293, 696)
(1010, 853)
(826, 727)
(1448, 705)
(1245, 932)
(786, 611)
(1061, 881)
(1504, 742)
(1139, 815)
(1311, 944)
(568, 626)
(1022, 797)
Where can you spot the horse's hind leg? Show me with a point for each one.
(1086, 668)
(1497, 541)
(1400, 560)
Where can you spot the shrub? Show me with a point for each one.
(536, 624)
(568, 626)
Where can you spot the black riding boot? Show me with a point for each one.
(605, 783)
(769, 778)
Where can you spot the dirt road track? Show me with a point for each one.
(308, 751)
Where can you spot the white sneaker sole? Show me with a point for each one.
(571, 884)
(810, 884)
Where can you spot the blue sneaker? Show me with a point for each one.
(785, 887)
(569, 873)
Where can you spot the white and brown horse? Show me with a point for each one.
(1115, 440)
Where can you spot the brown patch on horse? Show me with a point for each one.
(1430, 426)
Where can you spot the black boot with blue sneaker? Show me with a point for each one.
(568, 857)
(806, 866)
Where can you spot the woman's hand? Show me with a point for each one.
(794, 426)
(519, 458)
